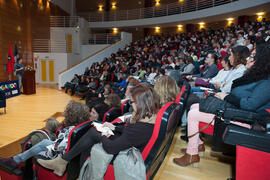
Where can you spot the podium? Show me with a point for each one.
(29, 82)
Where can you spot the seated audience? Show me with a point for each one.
(189, 68)
(221, 77)
(210, 69)
(72, 84)
(249, 92)
(180, 64)
(237, 59)
(137, 132)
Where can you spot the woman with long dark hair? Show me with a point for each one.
(249, 92)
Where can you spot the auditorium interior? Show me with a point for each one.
(141, 89)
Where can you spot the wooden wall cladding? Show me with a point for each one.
(22, 21)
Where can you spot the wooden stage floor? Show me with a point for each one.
(28, 112)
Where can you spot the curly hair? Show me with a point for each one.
(261, 68)
(75, 113)
(166, 88)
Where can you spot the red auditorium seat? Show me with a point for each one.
(252, 151)
(209, 130)
(76, 133)
(156, 149)
(111, 114)
(180, 95)
(153, 154)
(252, 164)
(125, 106)
(18, 174)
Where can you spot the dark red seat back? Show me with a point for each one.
(125, 106)
(75, 134)
(157, 147)
(173, 119)
(153, 149)
(252, 164)
(111, 114)
(180, 95)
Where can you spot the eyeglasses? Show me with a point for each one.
(251, 56)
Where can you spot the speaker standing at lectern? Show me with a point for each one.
(18, 69)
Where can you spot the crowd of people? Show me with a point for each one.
(233, 62)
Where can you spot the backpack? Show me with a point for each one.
(129, 165)
(95, 167)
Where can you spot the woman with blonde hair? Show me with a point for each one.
(167, 89)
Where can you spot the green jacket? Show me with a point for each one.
(36, 137)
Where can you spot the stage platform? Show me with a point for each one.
(26, 113)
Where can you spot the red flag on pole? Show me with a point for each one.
(11, 61)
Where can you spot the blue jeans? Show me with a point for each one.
(33, 151)
(20, 80)
(196, 89)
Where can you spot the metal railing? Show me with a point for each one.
(48, 46)
(150, 12)
(64, 21)
(109, 38)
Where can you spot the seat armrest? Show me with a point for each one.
(236, 135)
(16, 172)
(240, 115)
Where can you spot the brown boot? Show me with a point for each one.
(188, 160)
(58, 165)
(201, 150)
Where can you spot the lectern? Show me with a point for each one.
(29, 82)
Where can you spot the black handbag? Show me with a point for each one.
(219, 128)
(211, 104)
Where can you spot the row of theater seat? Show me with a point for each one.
(252, 146)
(153, 154)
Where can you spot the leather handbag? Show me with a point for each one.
(211, 104)
(202, 83)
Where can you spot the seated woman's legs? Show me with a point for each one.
(194, 117)
(192, 99)
(13, 162)
(33, 151)
(83, 147)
